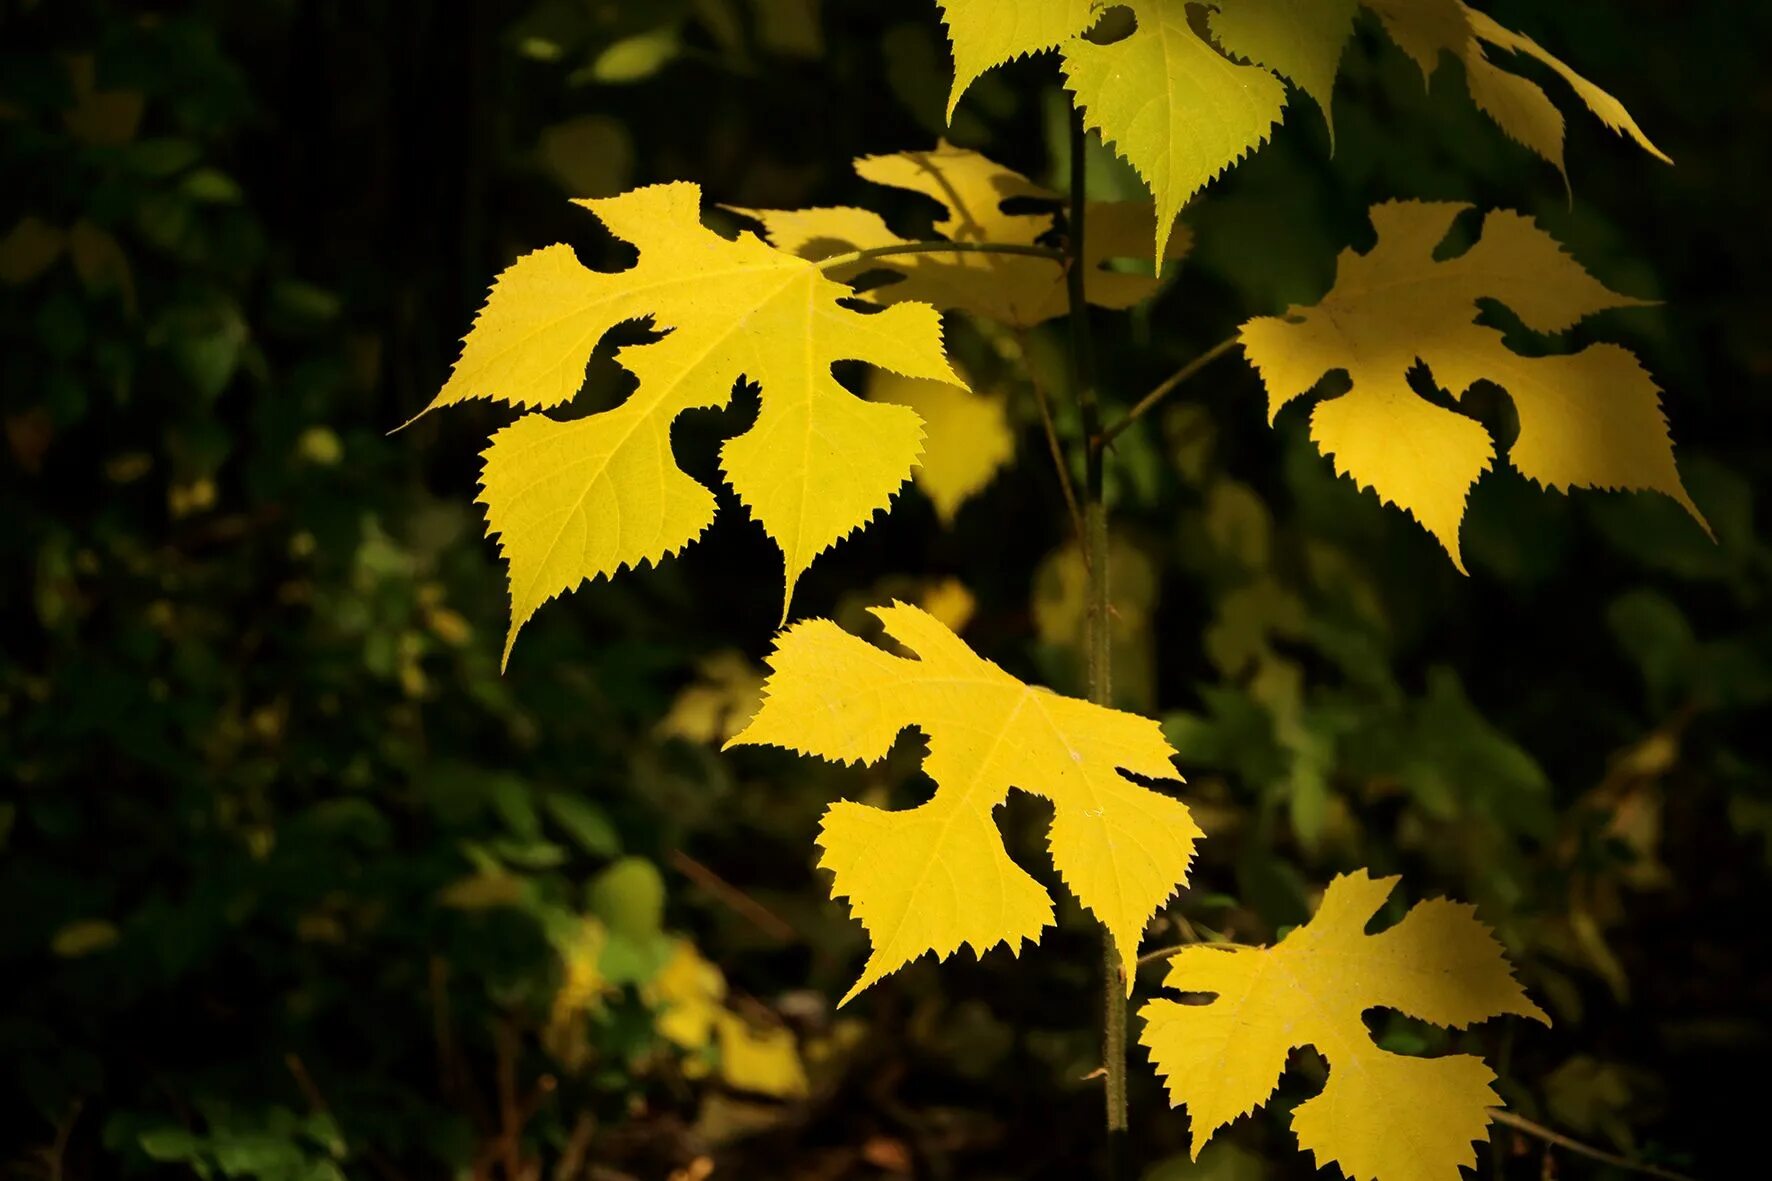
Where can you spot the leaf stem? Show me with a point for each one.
(1521, 1124)
(1165, 387)
(1095, 536)
(854, 256)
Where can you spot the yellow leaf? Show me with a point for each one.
(29, 248)
(1300, 40)
(969, 441)
(1591, 418)
(582, 991)
(573, 500)
(102, 118)
(1426, 29)
(485, 889)
(718, 704)
(100, 263)
(1018, 290)
(83, 938)
(762, 1061)
(590, 155)
(937, 876)
(951, 602)
(1384, 1116)
(687, 993)
(987, 33)
(1179, 111)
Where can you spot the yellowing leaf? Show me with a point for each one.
(29, 248)
(718, 704)
(577, 499)
(83, 938)
(1298, 39)
(582, 990)
(987, 33)
(687, 993)
(936, 876)
(100, 263)
(1179, 111)
(1425, 29)
(969, 442)
(764, 1061)
(951, 602)
(1591, 418)
(102, 118)
(1382, 1116)
(1018, 290)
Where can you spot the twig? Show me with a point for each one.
(837, 261)
(1164, 388)
(1549, 1136)
(578, 1144)
(58, 1151)
(1054, 447)
(755, 912)
(1095, 545)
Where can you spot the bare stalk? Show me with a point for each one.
(1095, 535)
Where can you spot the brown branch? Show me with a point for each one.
(1522, 1124)
(1054, 447)
(837, 261)
(1164, 388)
(749, 908)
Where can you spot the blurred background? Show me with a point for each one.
(296, 885)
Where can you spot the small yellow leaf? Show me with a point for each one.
(951, 602)
(1018, 290)
(83, 938)
(763, 1061)
(29, 248)
(1380, 1116)
(486, 889)
(582, 991)
(1179, 111)
(591, 155)
(969, 441)
(687, 994)
(102, 118)
(1591, 418)
(722, 699)
(575, 500)
(937, 876)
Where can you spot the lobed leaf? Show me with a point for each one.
(573, 500)
(936, 876)
(1591, 418)
(1383, 1116)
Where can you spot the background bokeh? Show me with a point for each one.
(295, 884)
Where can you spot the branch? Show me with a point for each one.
(1165, 388)
(1522, 1124)
(760, 916)
(855, 256)
(1055, 447)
